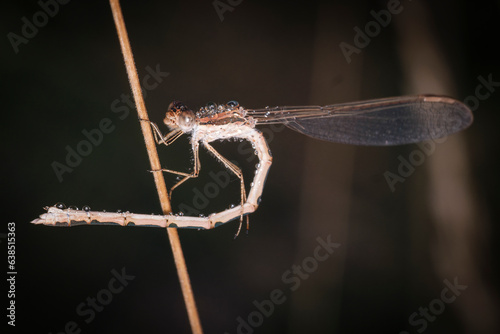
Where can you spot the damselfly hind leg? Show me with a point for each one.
(237, 171)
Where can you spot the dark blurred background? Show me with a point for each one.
(400, 248)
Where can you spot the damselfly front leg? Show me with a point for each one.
(160, 138)
(237, 171)
(169, 139)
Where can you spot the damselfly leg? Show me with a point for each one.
(168, 139)
(237, 171)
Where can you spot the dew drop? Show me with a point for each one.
(60, 205)
(232, 105)
(211, 106)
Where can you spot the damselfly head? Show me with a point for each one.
(179, 115)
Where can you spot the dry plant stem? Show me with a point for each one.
(155, 166)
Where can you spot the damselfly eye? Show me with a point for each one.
(177, 106)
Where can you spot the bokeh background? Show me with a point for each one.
(398, 246)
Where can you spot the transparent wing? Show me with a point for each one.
(389, 121)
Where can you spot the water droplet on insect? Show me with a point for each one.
(181, 213)
(232, 104)
(211, 106)
(60, 205)
(86, 208)
(118, 211)
(232, 206)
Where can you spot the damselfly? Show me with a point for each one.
(388, 121)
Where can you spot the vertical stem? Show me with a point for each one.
(155, 166)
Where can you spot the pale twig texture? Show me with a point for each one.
(155, 166)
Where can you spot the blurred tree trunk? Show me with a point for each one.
(326, 179)
(456, 246)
